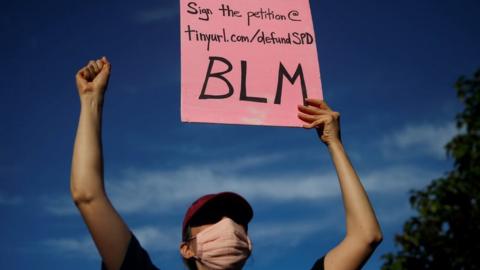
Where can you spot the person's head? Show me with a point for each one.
(214, 232)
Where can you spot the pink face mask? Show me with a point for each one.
(224, 245)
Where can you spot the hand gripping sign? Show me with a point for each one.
(247, 62)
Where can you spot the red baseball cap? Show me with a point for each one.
(209, 208)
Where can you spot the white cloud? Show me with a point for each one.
(166, 240)
(420, 139)
(265, 234)
(262, 234)
(397, 179)
(246, 162)
(158, 239)
(286, 233)
(143, 191)
(151, 238)
(147, 192)
(77, 247)
(158, 191)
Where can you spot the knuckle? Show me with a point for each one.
(83, 88)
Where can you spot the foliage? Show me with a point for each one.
(445, 233)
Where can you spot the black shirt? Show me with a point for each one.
(137, 258)
(318, 264)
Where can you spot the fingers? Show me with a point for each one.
(318, 103)
(89, 72)
(316, 107)
(105, 69)
(105, 65)
(317, 122)
(306, 117)
(93, 68)
(104, 60)
(310, 118)
(85, 74)
(314, 116)
(312, 110)
(99, 64)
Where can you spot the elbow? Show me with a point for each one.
(82, 197)
(84, 189)
(374, 238)
(368, 239)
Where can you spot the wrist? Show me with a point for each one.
(91, 107)
(335, 146)
(91, 102)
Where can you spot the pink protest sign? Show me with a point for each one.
(247, 61)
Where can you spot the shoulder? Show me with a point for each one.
(136, 257)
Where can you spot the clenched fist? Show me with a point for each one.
(92, 80)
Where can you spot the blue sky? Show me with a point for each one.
(387, 66)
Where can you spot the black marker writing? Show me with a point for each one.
(259, 36)
(204, 13)
(282, 73)
(228, 12)
(271, 15)
(205, 37)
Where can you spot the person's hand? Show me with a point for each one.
(92, 80)
(318, 115)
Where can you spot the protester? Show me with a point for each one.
(215, 227)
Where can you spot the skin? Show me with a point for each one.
(112, 236)
(109, 232)
(363, 232)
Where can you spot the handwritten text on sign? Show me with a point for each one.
(247, 61)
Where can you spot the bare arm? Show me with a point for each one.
(363, 231)
(110, 234)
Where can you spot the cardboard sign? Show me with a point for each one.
(247, 61)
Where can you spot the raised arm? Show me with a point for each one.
(363, 231)
(110, 234)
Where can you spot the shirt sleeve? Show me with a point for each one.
(318, 264)
(136, 258)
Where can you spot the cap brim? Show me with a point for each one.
(210, 208)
